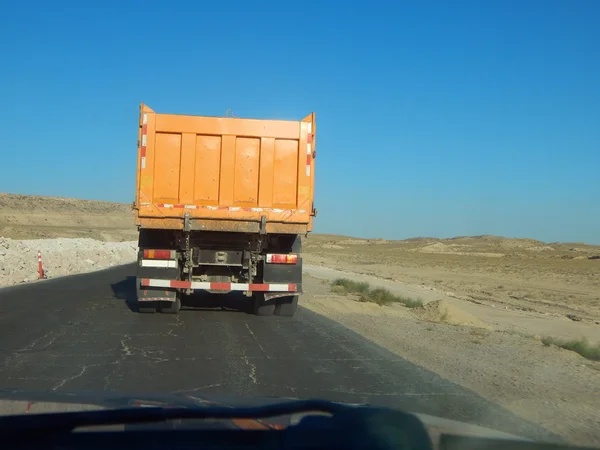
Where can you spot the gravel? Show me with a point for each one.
(60, 256)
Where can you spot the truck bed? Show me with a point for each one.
(228, 174)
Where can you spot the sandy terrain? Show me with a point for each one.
(553, 387)
(520, 274)
(36, 217)
(489, 301)
(74, 236)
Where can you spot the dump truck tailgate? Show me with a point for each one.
(227, 173)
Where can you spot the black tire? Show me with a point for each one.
(260, 308)
(286, 306)
(143, 307)
(171, 307)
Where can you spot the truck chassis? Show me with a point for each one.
(266, 268)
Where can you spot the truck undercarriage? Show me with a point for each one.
(266, 268)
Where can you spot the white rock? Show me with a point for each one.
(60, 257)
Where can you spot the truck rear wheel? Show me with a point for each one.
(286, 306)
(260, 307)
(146, 309)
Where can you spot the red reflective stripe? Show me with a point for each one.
(309, 139)
(308, 159)
(144, 128)
(217, 286)
(231, 208)
(259, 287)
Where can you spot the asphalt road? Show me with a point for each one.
(79, 333)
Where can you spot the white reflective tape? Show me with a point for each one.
(159, 263)
(143, 162)
(235, 208)
(275, 210)
(308, 149)
(213, 208)
(309, 127)
(159, 283)
(232, 286)
(256, 209)
(167, 205)
(155, 299)
(145, 119)
(308, 171)
(279, 287)
(190, 206)
(143, 140)
(200, 285)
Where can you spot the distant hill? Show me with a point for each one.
(34, 216)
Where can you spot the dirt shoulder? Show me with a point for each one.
(555, 388)
(558, 279)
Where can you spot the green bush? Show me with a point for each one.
(377, 295)
(351, 286)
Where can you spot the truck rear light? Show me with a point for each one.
(276, 258)
(160, 254)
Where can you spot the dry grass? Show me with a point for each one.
(581, 346)
(378, 295)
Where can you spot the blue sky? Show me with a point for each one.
(436, 118)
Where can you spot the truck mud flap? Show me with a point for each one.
(148, 294)
(284, 273)
(151, 293)
(274, 295)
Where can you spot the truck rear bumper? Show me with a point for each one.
(220, 287)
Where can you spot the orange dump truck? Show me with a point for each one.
(221, 203)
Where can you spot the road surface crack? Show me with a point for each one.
(257, 341)
(252, 370)
(66, 380)
(208, 386)
(125, 348)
